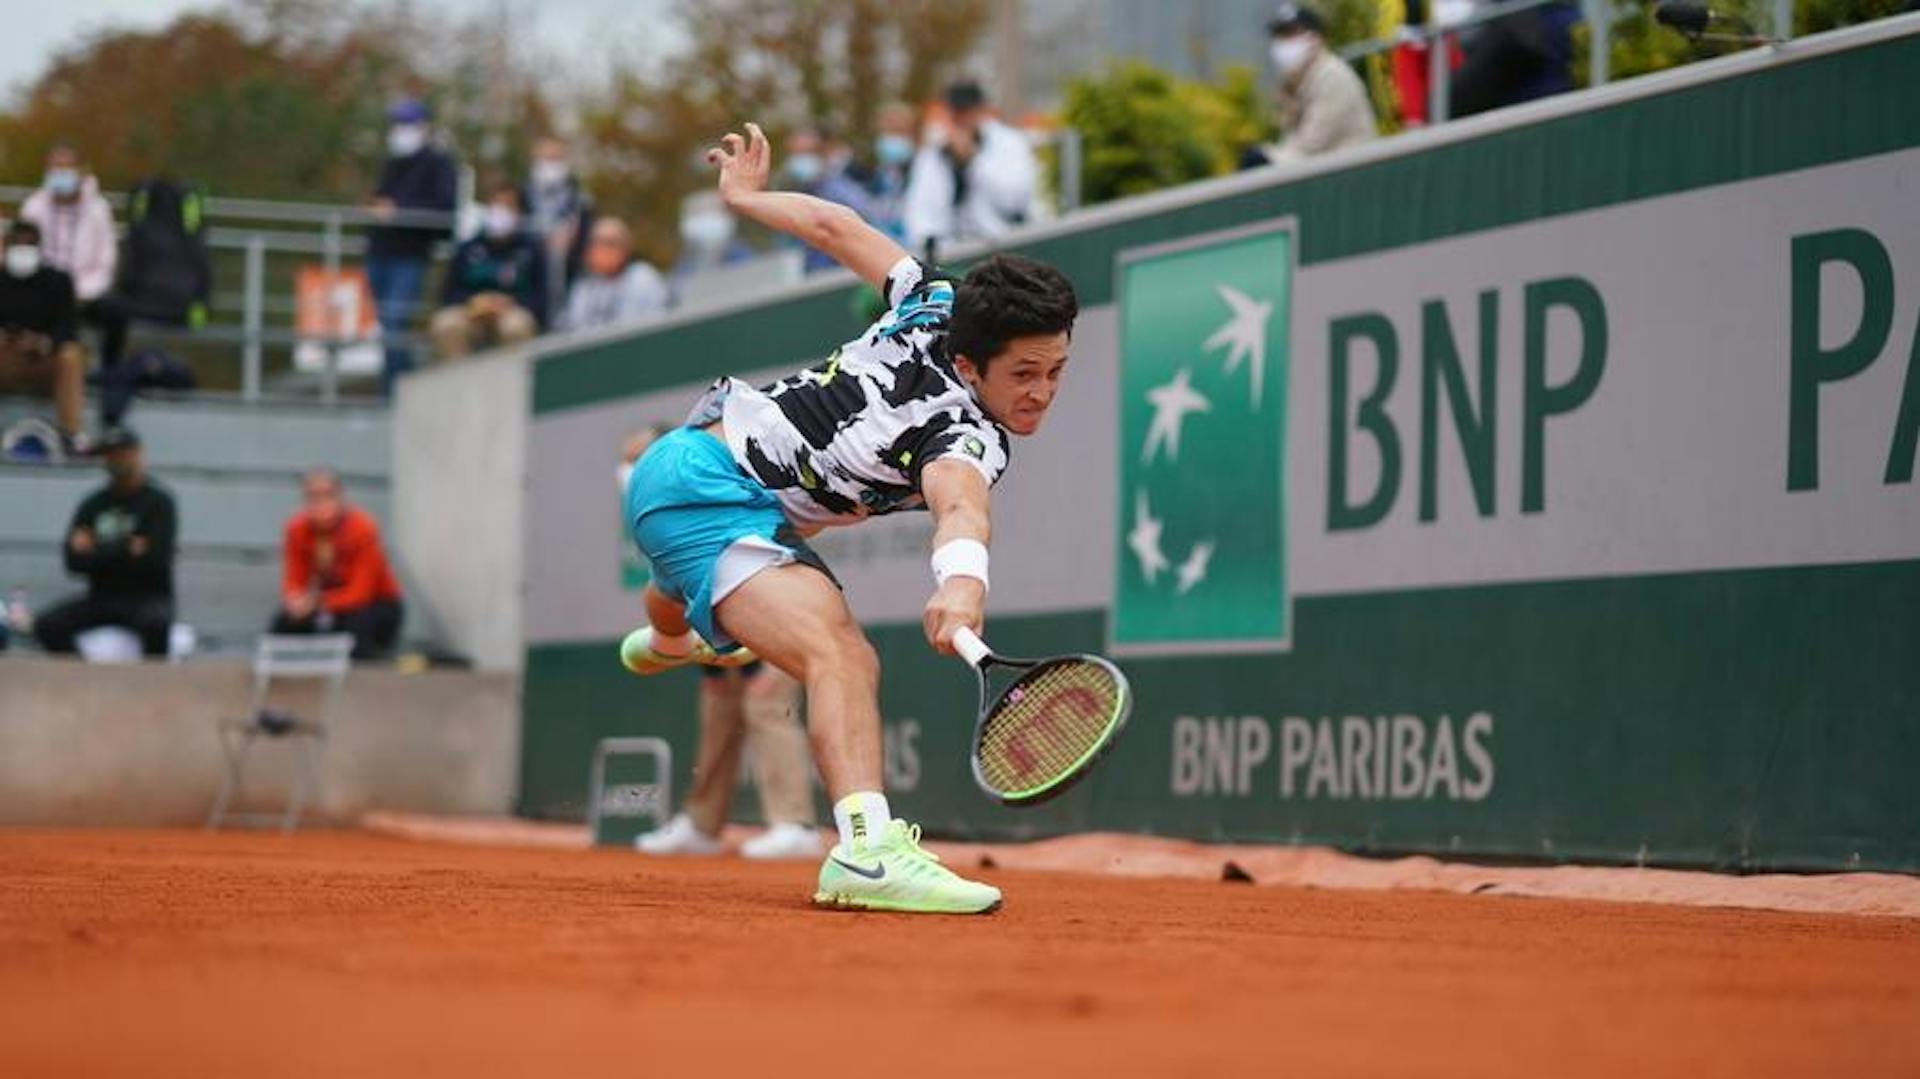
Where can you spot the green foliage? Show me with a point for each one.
(1349, 21)
(1640, 46)
(1142, 129)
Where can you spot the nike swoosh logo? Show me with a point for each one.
(878, 871)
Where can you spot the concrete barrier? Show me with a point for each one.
(83, 744)
(459, 479)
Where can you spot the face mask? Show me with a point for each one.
(893, 149)
(706, 231)
(623, 472)
(23, 260)
(1290, 53)
(405, 140)
(63, 182)
(550, 173)
(805, 168)
(501, 222)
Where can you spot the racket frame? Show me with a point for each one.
(980, 657)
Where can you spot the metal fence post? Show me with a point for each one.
(1069, 169)
(1438, 74)
(1599, 42)
(251, 317)
(330, 378)
(1783, 19)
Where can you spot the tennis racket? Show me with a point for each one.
(1048, 727)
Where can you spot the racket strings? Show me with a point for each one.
(1045, 723)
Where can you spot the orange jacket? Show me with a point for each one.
(344, 563)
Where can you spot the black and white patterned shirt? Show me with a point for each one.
(846, 439)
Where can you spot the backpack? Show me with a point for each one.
(165, 273)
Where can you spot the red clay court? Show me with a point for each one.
(183, 953)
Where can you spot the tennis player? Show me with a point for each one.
(913, 414)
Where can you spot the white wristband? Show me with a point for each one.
(960, 558)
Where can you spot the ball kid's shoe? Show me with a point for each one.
(637, 654)
(893, 872)
(784, 840)
(678, 836)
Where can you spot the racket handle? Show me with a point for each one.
(970, 646)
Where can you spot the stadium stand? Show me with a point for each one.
(234, 470)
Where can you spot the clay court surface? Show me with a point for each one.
(181, 953)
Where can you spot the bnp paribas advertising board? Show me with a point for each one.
(1588, 534)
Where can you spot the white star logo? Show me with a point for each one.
(1194, 569)
(1171, 404)
(1144, 539)
(1244, 335)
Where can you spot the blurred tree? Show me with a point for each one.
(829, 63)
(277, 99)
(1142, 129)
(205, 99)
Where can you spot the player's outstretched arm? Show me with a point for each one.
(956, 493)
(836, 230)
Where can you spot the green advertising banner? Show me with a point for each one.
(1544, 489)
(1201, 562)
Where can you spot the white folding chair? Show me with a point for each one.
(277, 660)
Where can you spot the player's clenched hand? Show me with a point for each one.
(744, 163)
(960, 602)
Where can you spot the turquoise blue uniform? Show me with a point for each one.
(687, 502)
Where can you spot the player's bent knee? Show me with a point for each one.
(844, 654)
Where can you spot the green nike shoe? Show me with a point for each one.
(895, 873)
(638, 656)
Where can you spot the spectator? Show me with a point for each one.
(560, 214)
(38, 352)
(817, 165)
(886, 182)
(972, 179)
(165, 277)
(77, 238)
(1321, 103)
(334, 578)
(496, 290)
(709, 240)
(1519, 57)
(122, 540)
(754, 704)
(416, 177)
(616, 287)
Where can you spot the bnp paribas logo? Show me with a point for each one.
(1201, 558)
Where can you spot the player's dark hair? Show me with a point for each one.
(22, 231)
(1006, 297)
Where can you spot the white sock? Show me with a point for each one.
(672, 644)
(861, 817)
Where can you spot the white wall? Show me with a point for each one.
(458, 503)
(85, 744)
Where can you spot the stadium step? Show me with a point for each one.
(234, 472)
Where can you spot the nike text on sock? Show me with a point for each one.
(862, 817)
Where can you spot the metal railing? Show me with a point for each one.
(255, 229)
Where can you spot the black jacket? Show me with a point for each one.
(42, 303)
(516, 266)
(112, 569)
(424, 180)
